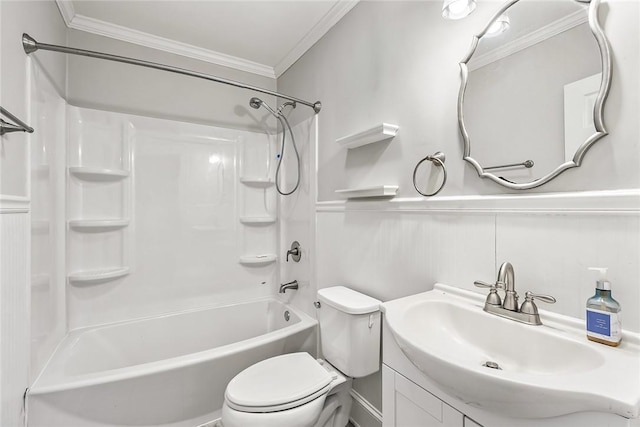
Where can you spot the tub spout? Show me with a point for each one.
(289, 285)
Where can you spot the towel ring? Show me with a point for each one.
(438, 159)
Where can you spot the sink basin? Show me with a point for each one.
(510, 368)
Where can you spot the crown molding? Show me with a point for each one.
(66, 10)
(118, 32)
(331, 18)
(129, 35)
(541, 34)
(107, 29)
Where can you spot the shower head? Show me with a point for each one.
(257, 103)
(292, 104)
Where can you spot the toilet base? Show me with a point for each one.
(337, 406)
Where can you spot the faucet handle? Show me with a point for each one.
(481, 284)
(529, 307)
(493, 298)
(294, 252)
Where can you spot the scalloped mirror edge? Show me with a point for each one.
(598, 109)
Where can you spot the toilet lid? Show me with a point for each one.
(278, 383)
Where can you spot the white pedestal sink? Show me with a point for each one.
(545, 371)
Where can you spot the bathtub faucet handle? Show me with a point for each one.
(289, 285)
(295, 251)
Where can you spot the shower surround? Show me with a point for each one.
(154, 236)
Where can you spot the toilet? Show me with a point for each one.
(296, 390)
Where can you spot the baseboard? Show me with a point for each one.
(363, 413)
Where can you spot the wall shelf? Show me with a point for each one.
(376, 191)
(98, 174)
(257, 181)
(97, 225)
(98, 275)
(257, 220)
(378, 133)
(261, 259)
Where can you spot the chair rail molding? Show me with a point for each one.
(609, 202)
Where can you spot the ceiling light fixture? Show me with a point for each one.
(457, 9)
(499, 26)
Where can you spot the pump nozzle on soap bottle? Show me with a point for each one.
(603, 312)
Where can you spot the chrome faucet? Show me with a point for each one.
(508, 308)
(506, 277)
(289, 285)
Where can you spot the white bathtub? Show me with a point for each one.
(164, 371)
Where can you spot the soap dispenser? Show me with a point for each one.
(603, 313)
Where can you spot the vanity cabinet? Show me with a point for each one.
(405, 404)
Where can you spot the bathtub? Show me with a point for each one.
(164, 371)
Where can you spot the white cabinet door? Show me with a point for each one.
(405, 404)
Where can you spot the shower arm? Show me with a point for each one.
(30, 45)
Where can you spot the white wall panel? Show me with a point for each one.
(551, 254)
(48, 314)
(297, 215)
(392, 254)
(183, 198)
(14, 316)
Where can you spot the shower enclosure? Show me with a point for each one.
(137, 219)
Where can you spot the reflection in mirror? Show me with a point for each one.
(533, 89)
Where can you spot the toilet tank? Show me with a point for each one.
(349, 330)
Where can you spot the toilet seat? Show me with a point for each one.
(279, 383)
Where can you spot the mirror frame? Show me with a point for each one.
(598, 109)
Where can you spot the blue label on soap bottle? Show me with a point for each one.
(599, 323)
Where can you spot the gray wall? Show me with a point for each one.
(42, 20)
(397, 62)
(112, 86)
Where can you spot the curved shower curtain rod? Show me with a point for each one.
(30, 45)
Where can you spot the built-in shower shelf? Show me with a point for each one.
(98, 275)
(97, 225)
(98, 174)
(257, 220)
(261, 259)
(377, 191)
(378, 133)
(257, 181)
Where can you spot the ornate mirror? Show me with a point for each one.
(533, 89)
